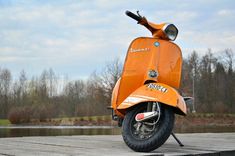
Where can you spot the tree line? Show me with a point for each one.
(210, 78)
(48, 96)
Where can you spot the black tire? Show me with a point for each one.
(159, 136)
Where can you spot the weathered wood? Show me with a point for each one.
(197, 143)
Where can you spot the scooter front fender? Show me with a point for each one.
(155, 92)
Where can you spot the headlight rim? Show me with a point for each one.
(164, 30)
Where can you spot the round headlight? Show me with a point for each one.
(171, 31)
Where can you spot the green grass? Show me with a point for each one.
(4, 122)
(211, 115)
(88, 118)
(108, 117)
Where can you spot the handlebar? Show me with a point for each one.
(134, 16)
(153, 28)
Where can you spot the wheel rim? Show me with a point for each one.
(143, 130)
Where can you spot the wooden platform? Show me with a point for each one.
(195, 144)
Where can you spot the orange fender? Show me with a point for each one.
(155, 92)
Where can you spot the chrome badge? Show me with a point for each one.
(157, 44)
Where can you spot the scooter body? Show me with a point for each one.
(136, 84)
(145, 98)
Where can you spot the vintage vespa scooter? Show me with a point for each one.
(145, 98)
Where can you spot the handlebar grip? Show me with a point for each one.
(134, 16)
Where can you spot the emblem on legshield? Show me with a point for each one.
(157, 87)
(157, 44)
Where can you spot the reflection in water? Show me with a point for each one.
(57, 131)
(19, 131)
(205, 129)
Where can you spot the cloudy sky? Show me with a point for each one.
(76, 37)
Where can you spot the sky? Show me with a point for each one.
(78, 37)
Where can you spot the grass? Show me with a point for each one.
(84, 118)
(211, 115)
(108, 117)
(76, 120)
(4, 122)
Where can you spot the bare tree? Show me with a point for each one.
(19, 89)
(109, 76)
(74, 92)
(229, 58)
(43, 86)
(52, 83)
(5, 83)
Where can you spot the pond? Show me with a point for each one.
(19, 131)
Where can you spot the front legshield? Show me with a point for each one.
(155, 92)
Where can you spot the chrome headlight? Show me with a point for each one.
(170, 31)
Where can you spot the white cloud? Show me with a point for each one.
(55, 42)
(77, 37)
(226, 12)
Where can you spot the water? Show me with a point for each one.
(19, 131)
(205, 129)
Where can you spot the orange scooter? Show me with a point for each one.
(145, 99)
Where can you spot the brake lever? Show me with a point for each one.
(143, 19)
(138, 14)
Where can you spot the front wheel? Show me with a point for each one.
(147, 135)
